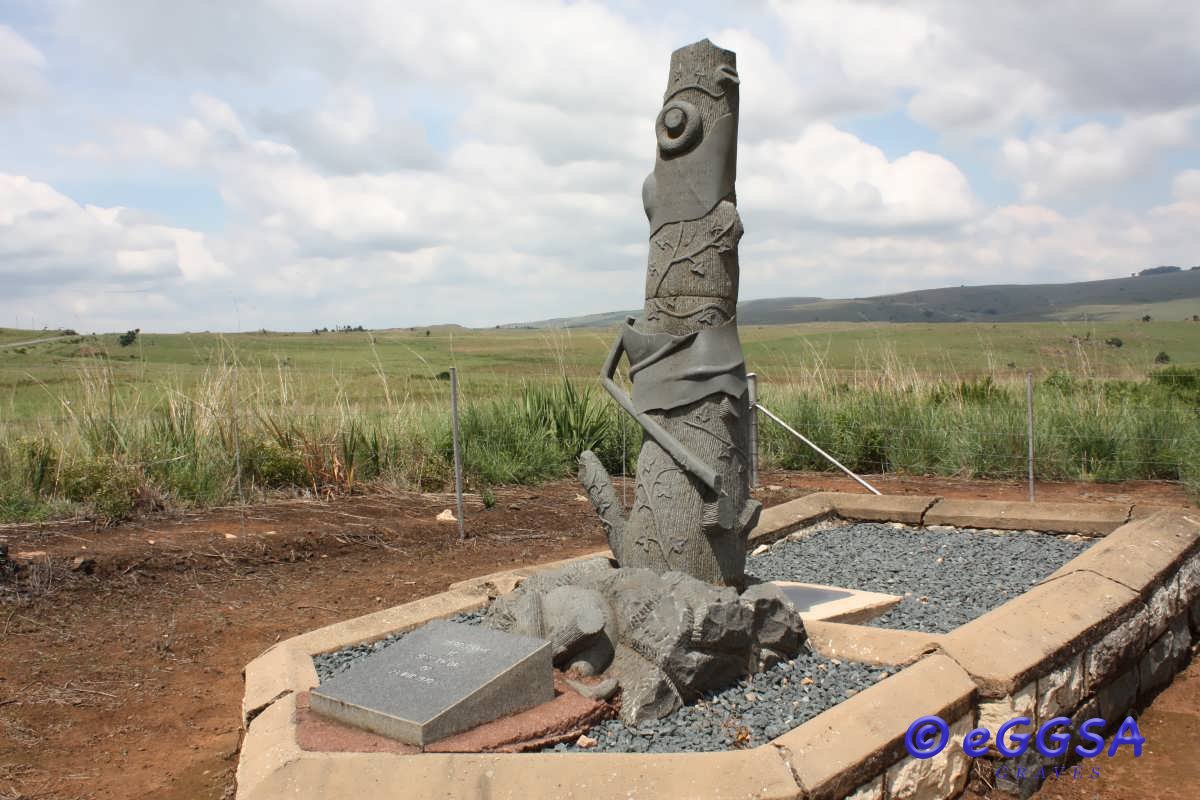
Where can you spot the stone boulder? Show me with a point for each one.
(667, 639)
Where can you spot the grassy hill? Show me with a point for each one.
(317, 373)
(1171, 296)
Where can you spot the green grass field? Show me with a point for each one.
(196, 419)
(355, 367)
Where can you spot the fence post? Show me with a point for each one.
(237, 449)
(1029, 425)
(458, 492)
(752, 394)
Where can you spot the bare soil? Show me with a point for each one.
(1167, 768)
(121, 650)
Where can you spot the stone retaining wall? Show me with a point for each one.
(1095, 638)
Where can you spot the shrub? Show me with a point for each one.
(984, 390)
(500, 446)
(271, 466)
(112, 489)
(618, 450)
(1185, 378)
(80, 480)
(1162, 357)
(1062, 382)
(41, 465)
(1183, 382)
(128, 337)
(577, 419)
(19, 506)
(197, 479)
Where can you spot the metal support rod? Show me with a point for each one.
(1029, 432)
(752, 394)
(805, 439)
(458, 488)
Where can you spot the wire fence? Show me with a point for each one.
(211, 444)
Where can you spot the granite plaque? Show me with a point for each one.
(440, 679)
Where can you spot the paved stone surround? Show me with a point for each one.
(1096, 638)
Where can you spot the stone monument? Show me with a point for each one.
(692, 509)
(666, 639)
(674, 617)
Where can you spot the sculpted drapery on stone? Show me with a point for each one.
(692, 510)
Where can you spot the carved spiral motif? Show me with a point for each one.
(679, 127)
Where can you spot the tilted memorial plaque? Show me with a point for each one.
(440, 679)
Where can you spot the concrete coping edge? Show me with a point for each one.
(286, 668)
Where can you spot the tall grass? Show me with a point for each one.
(1082, 431)
(240, 433)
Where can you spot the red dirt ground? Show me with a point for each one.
(1167, 769)
(122, 678)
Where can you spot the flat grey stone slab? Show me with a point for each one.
(805, 597)
(440, 679)
(836, 603)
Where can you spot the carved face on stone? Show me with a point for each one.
(696, 132)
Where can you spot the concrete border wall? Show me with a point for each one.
(1095, 638)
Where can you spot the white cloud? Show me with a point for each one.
(567, 54)
(492, 221)
(833, 178)
(385, 163)
(486, 198)
(1186, 186)
(348, 133)
(1065, 163)
(1011, 244)
(21, 68)
(988, 67)
(46, 239)
(1135, 57)
(878, 52)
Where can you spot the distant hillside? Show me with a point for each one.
(1166, 295)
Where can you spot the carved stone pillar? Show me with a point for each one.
(692, 509)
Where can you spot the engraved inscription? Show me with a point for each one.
(432, 665)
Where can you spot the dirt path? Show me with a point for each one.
(121, 653)
(38, 341)
(127, 682)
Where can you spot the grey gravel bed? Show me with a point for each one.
(948, 577)
(751, 712)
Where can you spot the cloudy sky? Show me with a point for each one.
(239, 164)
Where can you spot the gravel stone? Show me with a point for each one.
(948, 577)
(746, 714)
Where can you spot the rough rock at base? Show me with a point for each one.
(666, 639)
